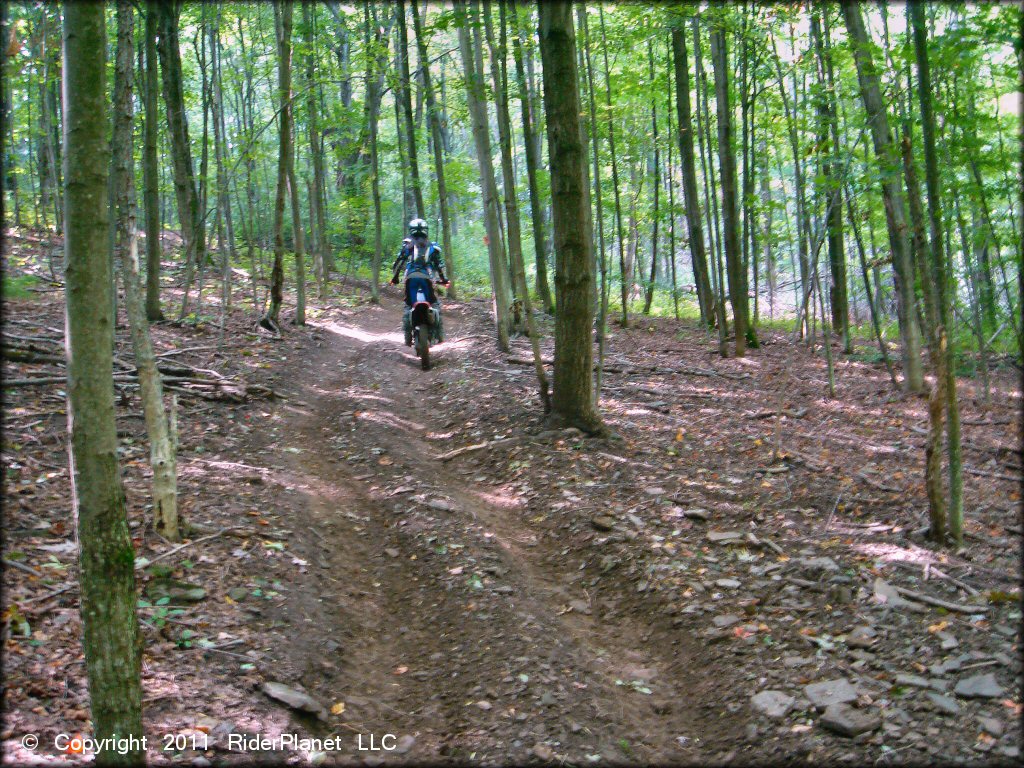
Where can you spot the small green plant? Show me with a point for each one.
(17, 286)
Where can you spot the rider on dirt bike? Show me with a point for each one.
(422, 259)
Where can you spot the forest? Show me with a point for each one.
(718, 458)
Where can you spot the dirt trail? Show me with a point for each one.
(438, 612)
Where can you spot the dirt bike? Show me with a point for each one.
(425, 321)
(422, 317)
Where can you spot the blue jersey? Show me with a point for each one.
(426, 260)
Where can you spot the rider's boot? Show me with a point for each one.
(439, 328)
(407, 327)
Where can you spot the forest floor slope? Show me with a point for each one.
(540, 596)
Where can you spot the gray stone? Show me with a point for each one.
(912, 680)
(724, 537)
(696, 514)
(830, 692)
(725, 621)
(774, 704)
(979, 687)
(886, 594)
(1010, 751)
(603, 522)
(728, 583)
(847, 721)
(991, 726)
(294, 699)
(861, 637)
(543, 752)
(948, 641)
(819, 564)
(405, 744)
(796, 661)
(945, 704)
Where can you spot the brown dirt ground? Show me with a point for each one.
(476, 608)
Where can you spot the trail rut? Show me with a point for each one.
(438, 612)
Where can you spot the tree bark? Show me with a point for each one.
(572, 403)
(482, 141)
(437, 139)
(106, 555)
(317, 224)
(727, 162)
(698, 255)
(939, 277)
(654, 169)
(151, 178)
(227, 247)
(189, 212)
(615, 173)
(838, 293)
(895, 216)
(532, 152)
(282, 29)
(162, 459)
(406, 98)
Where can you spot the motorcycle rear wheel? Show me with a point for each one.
(423, 347)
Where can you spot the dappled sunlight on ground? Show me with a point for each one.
(366, 337)
(895, 553)
(389, 420)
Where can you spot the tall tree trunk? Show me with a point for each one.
(838, 293)
(573, 402)
(670, 185)
(282, 31)
(317, 225)
(513, 230)
(151, 179)
(871, 94)
(698, 256)
(375, 68)
(162, 459)
(532, 151)
(406, 97)
(437, 140)
(106, 555)
(654, 168)
(710, 193)
(615, 173)
(799, 187)
(227, 254)
(939, 277)
(515, 248)
(189, 212)
(482, 141)
(872, 302)
(605, 287)
(727, 161)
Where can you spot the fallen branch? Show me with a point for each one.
(940, 603)
(996, 475)
(477, 447)
(797, 414)
(34, 381)
(23, 567)
(180, 547)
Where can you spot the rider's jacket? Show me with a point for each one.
(419, 261)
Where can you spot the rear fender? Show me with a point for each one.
(422, 314)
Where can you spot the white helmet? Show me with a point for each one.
(418, 227)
